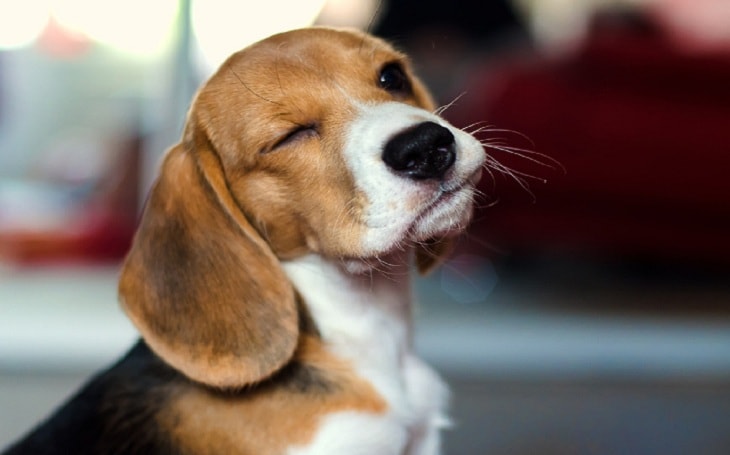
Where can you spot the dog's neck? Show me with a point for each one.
(364, 318)
(362, 314)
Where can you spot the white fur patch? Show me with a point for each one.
(401, 209)
(365, 318)
(363, 310)
(356, 434)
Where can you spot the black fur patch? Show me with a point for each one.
(113, 414)
(305, 379)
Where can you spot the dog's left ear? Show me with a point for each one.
(432, 253)
(202, 286)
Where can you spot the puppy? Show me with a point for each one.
(269, 276)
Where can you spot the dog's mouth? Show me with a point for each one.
(446, 215)
(448, 192)
(447, 201)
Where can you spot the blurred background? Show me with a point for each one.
(587, 311)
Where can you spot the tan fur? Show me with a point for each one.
(203, 282)
(203, 288)
(303, 201)
(429, 254)
(202, 421)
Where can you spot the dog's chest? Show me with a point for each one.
(365, 320)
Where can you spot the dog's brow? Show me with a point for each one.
(281, 85)
(249, 88)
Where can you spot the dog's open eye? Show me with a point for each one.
(300, 132)
(393, 79)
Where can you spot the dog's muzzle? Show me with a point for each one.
(424, 151)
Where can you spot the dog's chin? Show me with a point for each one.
(385, 262)
(447, 216)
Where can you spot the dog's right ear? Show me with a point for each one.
(432, 253)
(201, 285)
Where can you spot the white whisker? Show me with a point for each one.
(440, 110)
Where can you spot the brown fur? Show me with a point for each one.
(202, 281)
(231, 360)
(271, 418)
(177, 284)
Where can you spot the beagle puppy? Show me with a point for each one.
(269, 276)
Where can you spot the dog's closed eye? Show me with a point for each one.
(294, 135)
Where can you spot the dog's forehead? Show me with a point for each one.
(315, 52)
(308, 76)
(324, 44)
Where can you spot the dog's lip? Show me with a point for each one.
(449, 190)
(446, 193)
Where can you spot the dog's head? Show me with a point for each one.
(313, 141)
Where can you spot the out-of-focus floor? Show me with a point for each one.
(560, 358)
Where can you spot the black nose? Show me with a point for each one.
(425, 151)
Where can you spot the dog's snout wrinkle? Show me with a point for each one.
(425, 151)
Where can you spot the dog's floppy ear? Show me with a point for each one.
(203, 288)
(431, 253)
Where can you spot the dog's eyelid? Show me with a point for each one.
(298, 132)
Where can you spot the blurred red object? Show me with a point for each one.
(697, 25)
(53, 222)
(643, 132)
(98, 235)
